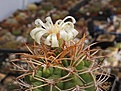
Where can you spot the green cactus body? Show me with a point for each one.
(53, 73)
(90, 89)
(73, 83)
(65, 63)
(64, 72)
(32, 78)
(77, 81)
(87, 63)
(87, 78)
(37, 83)
(57, 71)
(47, 72)
(38, 73)
(80, 66)
(27, 79)
(60, 85)
(57, 83)
(69, 84)
(47, 88)
(37, 90)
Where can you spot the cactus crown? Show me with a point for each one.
(70, 67)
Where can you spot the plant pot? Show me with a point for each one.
(109, 84)
(104, 41)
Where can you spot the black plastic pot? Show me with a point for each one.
(112, 79)
(104, 41)
(4, 53)
(119, 88)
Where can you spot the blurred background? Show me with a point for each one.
(101, 19)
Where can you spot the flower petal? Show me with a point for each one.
(34, 31)
(67, 24)
(38, 22)
(63, 35)
(69, 36)
(39, 35)
(54, 41)
(58, 22)
(75, 32)
(73, 20)
(47, 40)
(49, 20)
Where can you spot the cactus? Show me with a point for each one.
(61, 66)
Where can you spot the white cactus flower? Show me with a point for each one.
(62, 29)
